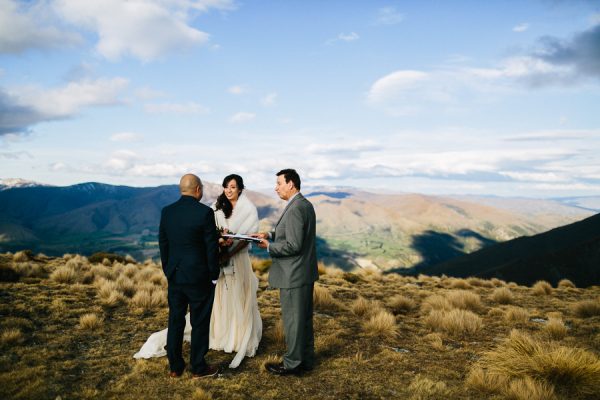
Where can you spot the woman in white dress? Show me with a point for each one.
(235, 324)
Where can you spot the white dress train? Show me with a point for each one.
(235, 323)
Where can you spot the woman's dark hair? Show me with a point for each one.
(223, 202)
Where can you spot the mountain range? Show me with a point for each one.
(355, 228)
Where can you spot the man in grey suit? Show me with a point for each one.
(294, 272)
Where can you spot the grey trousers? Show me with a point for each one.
(297, 314)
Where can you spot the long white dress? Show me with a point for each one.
(235, 323)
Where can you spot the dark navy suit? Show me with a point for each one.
(188, 242)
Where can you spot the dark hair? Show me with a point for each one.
(290, 175)
(223, 202)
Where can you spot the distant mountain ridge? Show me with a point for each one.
(355, 227)
(567, 252)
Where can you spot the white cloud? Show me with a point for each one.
(147, 93)
(388, 16)
(237, 89)
(145, 29)
(390, 85)
(269, 100)
(242, 117)
(344, 37)
(126, 137)
(521, 27)
(176, 108)
(24, 27)
(535, 176)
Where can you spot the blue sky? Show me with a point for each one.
(461, 97)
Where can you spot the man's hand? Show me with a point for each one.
(264, 243)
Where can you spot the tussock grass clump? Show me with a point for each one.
(542, 288)
(516, 315)
(482, 381)
(126, 286)
(130, 270)
(64, 274)
(90, 322)
(460, 284)
(261, 265)
(502, 295)
(381, 323)
(498, 282)
(586, 308)
(436, 302)
(400, 304)
(22, 256)
(555, 328)
(108, 293)
(361, 306)
(422, 388)
(29, 269)
(435, 339)
(478, 282)
(11, 337)
(454, 322)
(323, 299)
(99, 257)
(101, 271)
(465, 300)
(371, 274)
(573, 371)
(566, 284)
(495, 312)
(529, 389)
(201, 394)
(147, 300)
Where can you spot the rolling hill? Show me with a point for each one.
(568, 252)
(355, 228)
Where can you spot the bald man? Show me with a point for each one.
(188, 242)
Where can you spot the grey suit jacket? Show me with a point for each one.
(293, 249)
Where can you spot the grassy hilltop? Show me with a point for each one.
(69, 327)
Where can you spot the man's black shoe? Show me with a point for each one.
(279, 369)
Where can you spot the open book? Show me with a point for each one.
(238, 236)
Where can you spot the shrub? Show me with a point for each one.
(542, 288)
(382, 323)
(454, 322)
(565, 283)
(555, 328)
(516, 315)
(63, 274)
(571, 370)
(400, 304)
(465, 300)
(90, 322)
(586, 308)
(502, 295)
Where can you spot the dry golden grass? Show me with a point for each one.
(435, 302)
(542, 288)
(570, 370)
(517, 315)
(269, 360)
(482, 381)
(382, 323)
(64, 274)
(126, 286)
(323, 300)
(529, 389)
(465, 300)
(454, 322)
(20, 256)
(586, 308)
(11, 337)
(201, 394)
(57, 359)
(566, 284)
(502, 295)
(90, 322)
(422, 388)
(29, 269)
(400, 304)
(460, 284)
(555, 328)
(498, 282)
(147, 300)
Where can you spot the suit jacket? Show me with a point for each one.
(188, 242)
(293, 249)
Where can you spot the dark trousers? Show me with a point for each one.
(297, 314)
(200, 301)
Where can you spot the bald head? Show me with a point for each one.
(191, 185)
